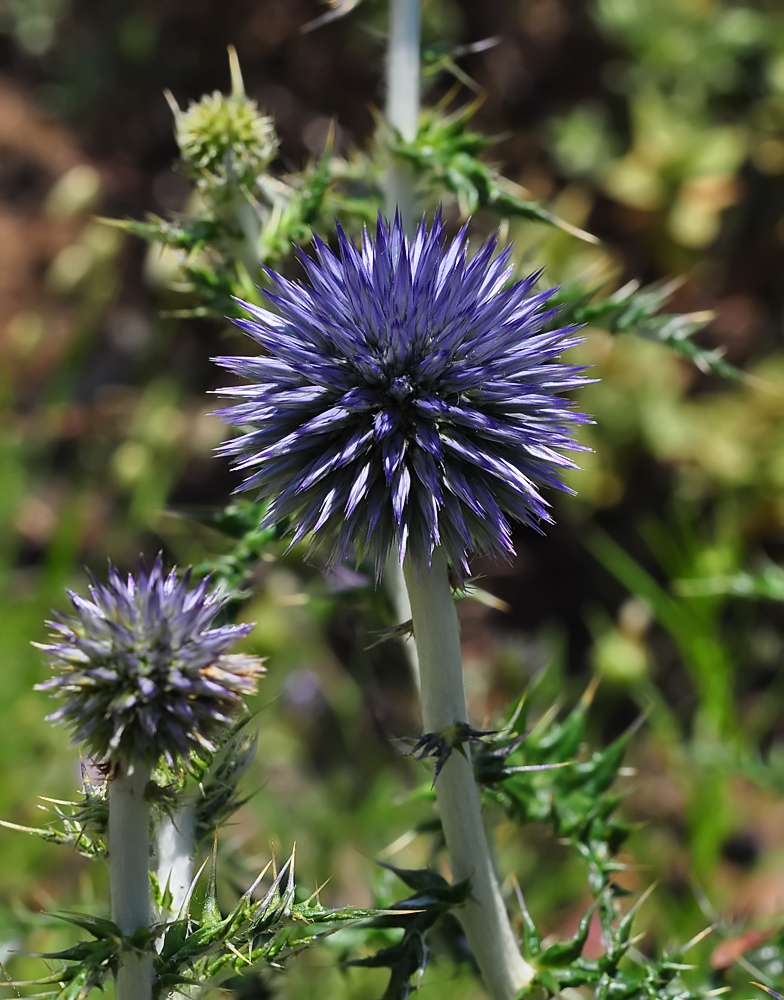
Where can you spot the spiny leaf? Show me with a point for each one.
(619, 943)
(189, 235)
(407, 959)
(565, 952)
(439, 746)
(635, 310)
(446, 150)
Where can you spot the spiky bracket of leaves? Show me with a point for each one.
(209, 279)
(289, 209)
(201, 950)
(229, 157)
(544, 776)
(268, 931)
(87, 965)
(218, 780)
(537, 777)
(445, 152)
(210, 783)
(659, 979)
(579, 802)
(311, 200)
(576, 798)
(439, 746)
(445, 155)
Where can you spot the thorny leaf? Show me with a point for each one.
(565, 952)
(402, 631)
(432, 899)
(440, 58)
(446, 152)
(539, 775)
(81, 825)
(239, 521)
(205, 949)
(86, 965)
(210, 782)
(635, 310)
(575, 797)
(439, 746)
(212, 947)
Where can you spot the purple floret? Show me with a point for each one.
(407, 399)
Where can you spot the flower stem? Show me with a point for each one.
(402, 113)
(175, 850)
(129, 876)
(243, 212)
(402, 104)
(396, 589)
(483, 917)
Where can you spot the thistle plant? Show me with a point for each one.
(407, 408)
(410, 402)
(144, 675)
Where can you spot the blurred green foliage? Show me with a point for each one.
(703, 89)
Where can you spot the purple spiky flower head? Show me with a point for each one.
(141, 671)
(408, 399)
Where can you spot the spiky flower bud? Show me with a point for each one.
(141, 671)
(224, 141)
(408, 399)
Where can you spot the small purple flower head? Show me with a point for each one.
(408, 399)
(141, 672)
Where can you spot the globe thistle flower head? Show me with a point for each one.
(141, 671)
(408, 399)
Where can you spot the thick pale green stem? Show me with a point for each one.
(129, 876)
(484, 917)
(402, 112)
(246, 217)
(440, 669)
(402, 104)
(396, 588)
(175, 849)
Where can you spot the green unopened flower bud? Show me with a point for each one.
(225, 141)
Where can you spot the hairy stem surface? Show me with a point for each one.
(484, 917)
(129, 876)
